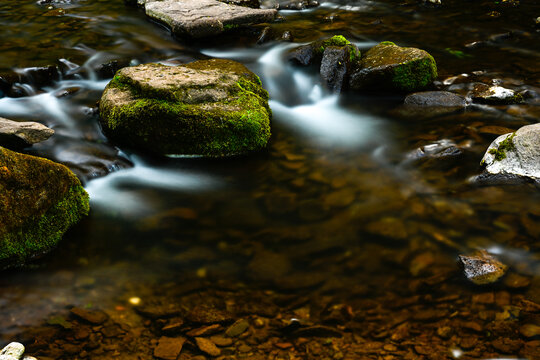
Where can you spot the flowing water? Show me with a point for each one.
(336, 223)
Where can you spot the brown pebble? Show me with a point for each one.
(472, 326)
(530, 330)
(221, 340)
(95, 317)
(205, 330)
(207, 346)
(484, 298)
(283, 346)
(169, 348)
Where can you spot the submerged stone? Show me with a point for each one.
(39, 201)
(208, 107)
(481, 268)
(203, 18)
(18, 134)
(389, 67)
(435, 99)
(515, 154)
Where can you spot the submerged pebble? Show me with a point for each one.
(481, 268)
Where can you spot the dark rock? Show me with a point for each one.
(266, 35)
(317, 331)
(482, 268)
(435, 98)
(254, 4)
(203, 18)
(297, 4)
(39, 201)
(335, 66)
(302, 55)
(393, 68)
(287, 36)
(207, 314)
(95, 317)
(237, 328)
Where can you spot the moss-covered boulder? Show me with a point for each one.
(208, 107)
(39, 201)
(313, 52)
(389, 67)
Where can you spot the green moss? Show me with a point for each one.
(504, 146)
(164, 124)
(414, 75)
(387, 43)
(336, 40)
(230, 26)
(39, 201)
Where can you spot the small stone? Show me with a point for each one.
(483, 298)
(244, 348)
(205, 330)
(12, 351)
(237, 328)
(507, 346)
(207, 346)
(169, 348)
(486, 94)
(529, 306)
(472, 326)
(205, 314)
(481, 268)
(530, 330)
(221, 340)
(20, 134)
(444, 332)
(95, 317)
(435, 98)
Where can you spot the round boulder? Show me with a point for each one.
(39, 201)
(515, 154)
(208, 107)
(388, 67)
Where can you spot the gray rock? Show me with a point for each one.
(297, 4)
(481, 268)
(389, 67)
(202, 18)
(435, 98)
(334, 67)
(13, 351)
(207, 107)
(515, 154)
(254, 4)
(21, 134)
(495, 95)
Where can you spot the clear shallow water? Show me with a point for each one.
(333, 209)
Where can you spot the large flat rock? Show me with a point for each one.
(202, 18)
(208, 107)
(21, 134)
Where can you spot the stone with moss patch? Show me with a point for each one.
(39, 201)
(495, 95)
(313, 53)
(208, 107)
(515, 154)
(389, 67)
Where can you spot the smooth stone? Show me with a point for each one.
(237, 328)
(481, 268)
(207, 346)
(203, 18)
(95, 317)
(435, 98)
(515, 154)
(12, 351)
(22, 134)
(169, 348)
(388, 67)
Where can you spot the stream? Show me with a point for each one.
(337, 224)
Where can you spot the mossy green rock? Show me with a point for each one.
(39, 201)
(389, 67)
(208, 107)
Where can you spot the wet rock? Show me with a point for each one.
(297, 4)
(203, 18)
(313, 53)
(207, 346)
(516, 281)
(39, 201)
(237, 328)
(21, 134)
(515, 154)
(205, 330)
(435, 98)
(494, 95)
(207, 314)
(254, 4)
(440, 149)
(389, 227)
(335, 66)
(209, 107)
(482, 268)
(507, 346)
(95, 317)
(169, 348)
(388, 67)
(530, 330)
(317, 331)
(12, 351)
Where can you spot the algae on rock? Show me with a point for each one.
(39, 201)
(389, 67)
(208, 107)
